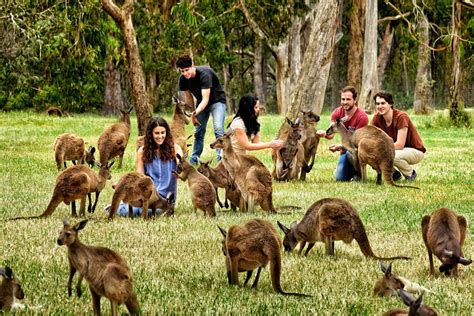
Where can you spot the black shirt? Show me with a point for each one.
(205, 78)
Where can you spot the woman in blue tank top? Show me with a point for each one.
(157, 158)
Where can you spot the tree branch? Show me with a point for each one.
(253, 25)
(112, 9)
(467, 3)
(393, 18)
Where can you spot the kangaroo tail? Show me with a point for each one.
(275, 270)
(24, 217)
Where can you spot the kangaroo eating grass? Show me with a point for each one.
(371, 146)
(444, 233)
(416, 307)
(105, 270)
(252, 246)
(328, 220)
(138, 190)
(10, 290)
(71, 147)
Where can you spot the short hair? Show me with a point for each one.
(184, 61)
(385, 95)
(350, 89)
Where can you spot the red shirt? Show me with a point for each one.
(400, 120)
(358, 120)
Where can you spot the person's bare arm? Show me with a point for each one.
(245, 143)
(401, 138)
(140, 166)
(206, 93)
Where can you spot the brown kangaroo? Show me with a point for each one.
(288, 160)
(114, 139)
(77, 182)
(310, 141)
(369, 145)
(220, 178)
(71, 147)
(444, 233)
(203, 195)
(328, 220)
(250, 246)
(105, 270)
(250, 175)
(416, 307)
(138, 190)
(389, 283)
(181, 118)
(10, 289)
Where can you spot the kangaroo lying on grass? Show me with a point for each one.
(328, 220)
(369, 145)
(138, 190)
(106, 271)
(114, 139)
(288, 160)
(250, 246)
(10, 290)
(310, 141)
(71, 147)
(444, 233)
(203, 195)
(77, 182)
(390, 283)
(250, 175)
(416, 307)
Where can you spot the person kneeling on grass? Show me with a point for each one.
(409, 148)
(156, 159)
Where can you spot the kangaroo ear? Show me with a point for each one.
(465, 261)
(130, 109)
(80, 225)
(170, 197)
(91, 150)
(384, 267)
(8, 273)
(66, 222)
(110, 164)
(98, 164)
(285, 229)
(290, 122)
(416, 304)
(175, 100)
(223, 231)
(179, 157)
(406, 298)
(186, 154)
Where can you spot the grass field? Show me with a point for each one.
(177, 262)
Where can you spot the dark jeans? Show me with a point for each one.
(344, 170)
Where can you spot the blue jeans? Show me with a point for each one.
(344, 169)
(218, 116)
(122, 210)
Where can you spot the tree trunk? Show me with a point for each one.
(226, 73)
(113, 96)
(152, 89)
(385, 51)
(406, 84)
(369, 73)
(423, 94)
(311, 87)
(454, 103)
(259, 73)
(123, 17)
(356, 44)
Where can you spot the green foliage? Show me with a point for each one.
(177, 263)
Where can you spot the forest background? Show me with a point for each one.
(73, 54)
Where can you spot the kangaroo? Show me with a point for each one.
(328, 220)
(71, 147)
(288, 160)
(416, 307)
(114, 139)
(181, 118)
(389, 284)
(444, 233)
(105, 270)
(138, 190)
(250, 175)
(77, 182)
(10, 289)
(220, 178)
(203, 195)
(250, 246)
(369, 145)
(310, 142)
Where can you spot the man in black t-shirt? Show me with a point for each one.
(202, 83)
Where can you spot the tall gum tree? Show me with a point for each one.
(123, 17)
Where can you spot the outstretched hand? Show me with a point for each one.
(321, 133)
(194, 119)
(276, 144)
(335, 148)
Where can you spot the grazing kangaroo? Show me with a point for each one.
(114, 139)
(310, 141)
(203, 195)
(369, 145)
(328, 220)
(138, 190)
(250, 175)
(250, 246)
(444, 233)
(10, 289)
(288, 160)
(71, 147)
(77, 182)
(105, 270)
(220, 178)
(416, 307)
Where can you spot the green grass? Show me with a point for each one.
(177, 262)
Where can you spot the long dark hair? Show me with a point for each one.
(166, 150)
(246, 112)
